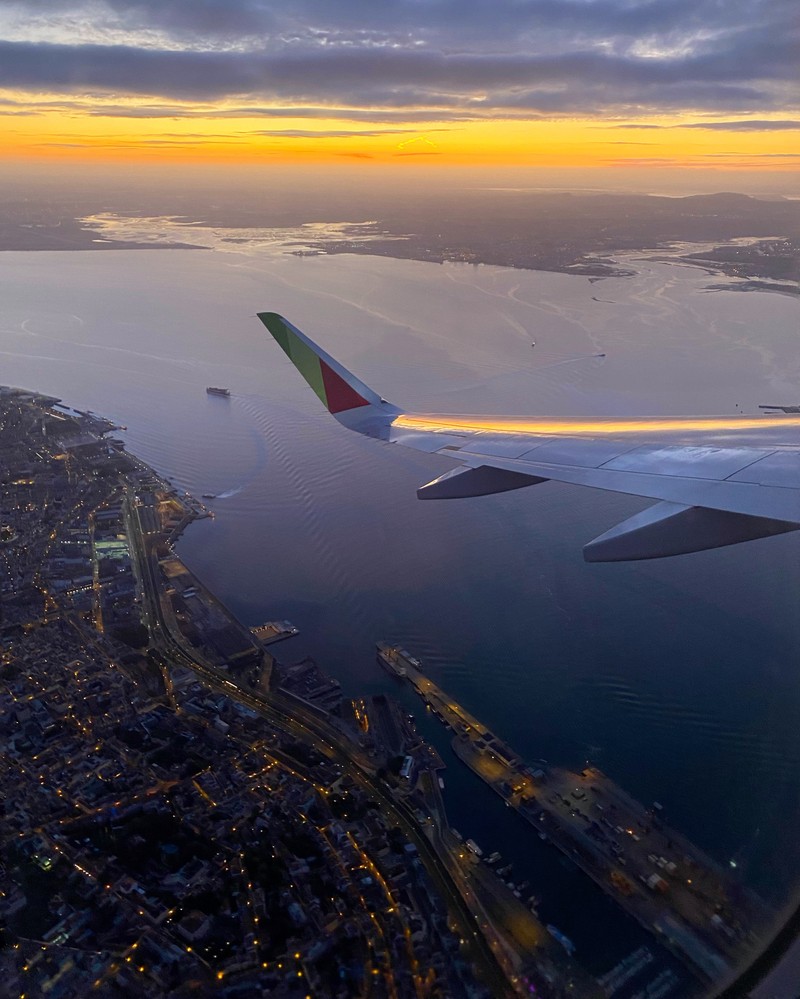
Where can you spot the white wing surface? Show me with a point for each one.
(716, 480)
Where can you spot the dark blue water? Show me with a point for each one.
(679, 678)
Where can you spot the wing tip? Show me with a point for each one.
(337, 388)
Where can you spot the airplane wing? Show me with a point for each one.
(716, 480)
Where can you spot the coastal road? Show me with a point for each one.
(326, 740)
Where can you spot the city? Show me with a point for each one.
(182, 809)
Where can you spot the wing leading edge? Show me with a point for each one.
(716, 480)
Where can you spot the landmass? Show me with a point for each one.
(185, 813)
(750, 238)
(182, 813)
(579, 234)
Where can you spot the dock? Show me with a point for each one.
(274, 631)
(691, 903)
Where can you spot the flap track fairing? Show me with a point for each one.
(672, 529)
(460, 483)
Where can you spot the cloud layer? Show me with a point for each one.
(441, 59)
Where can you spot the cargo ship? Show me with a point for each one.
(212, 390)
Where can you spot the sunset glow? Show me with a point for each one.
(593, 427)
(564, 142)
(601, 84)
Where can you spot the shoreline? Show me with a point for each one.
(595, 264)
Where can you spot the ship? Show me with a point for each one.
(565, 942)
(390, 658)
(396, 660)
(213, 390)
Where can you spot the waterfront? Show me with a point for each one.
(94, 528)
(677, 678)
(652, 871)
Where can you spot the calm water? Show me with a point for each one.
(680, 678)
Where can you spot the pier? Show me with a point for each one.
(274, 631)
(671, 887)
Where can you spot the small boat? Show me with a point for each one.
(565, 942)
(213, 390)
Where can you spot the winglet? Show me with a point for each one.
(338, 389)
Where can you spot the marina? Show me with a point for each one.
(692, 904)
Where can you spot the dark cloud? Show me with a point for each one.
(143, 143)
(665, 162)
(109, 109)
(747, 125)
(447, 59)
(225, 18)
(342, 133)
(222, 19)
(406, 78)
(755, 156)
(484, 24)
(376, 116)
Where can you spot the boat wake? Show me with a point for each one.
(231, 492)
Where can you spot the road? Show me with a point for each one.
(324, 738)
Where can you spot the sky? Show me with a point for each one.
(647, 85)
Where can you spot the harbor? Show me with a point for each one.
(692, 904)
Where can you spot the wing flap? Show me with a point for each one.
(781, 468)
(748, 498)
(693, 461)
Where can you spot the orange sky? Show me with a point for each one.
(54, 136)
(603, 85)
